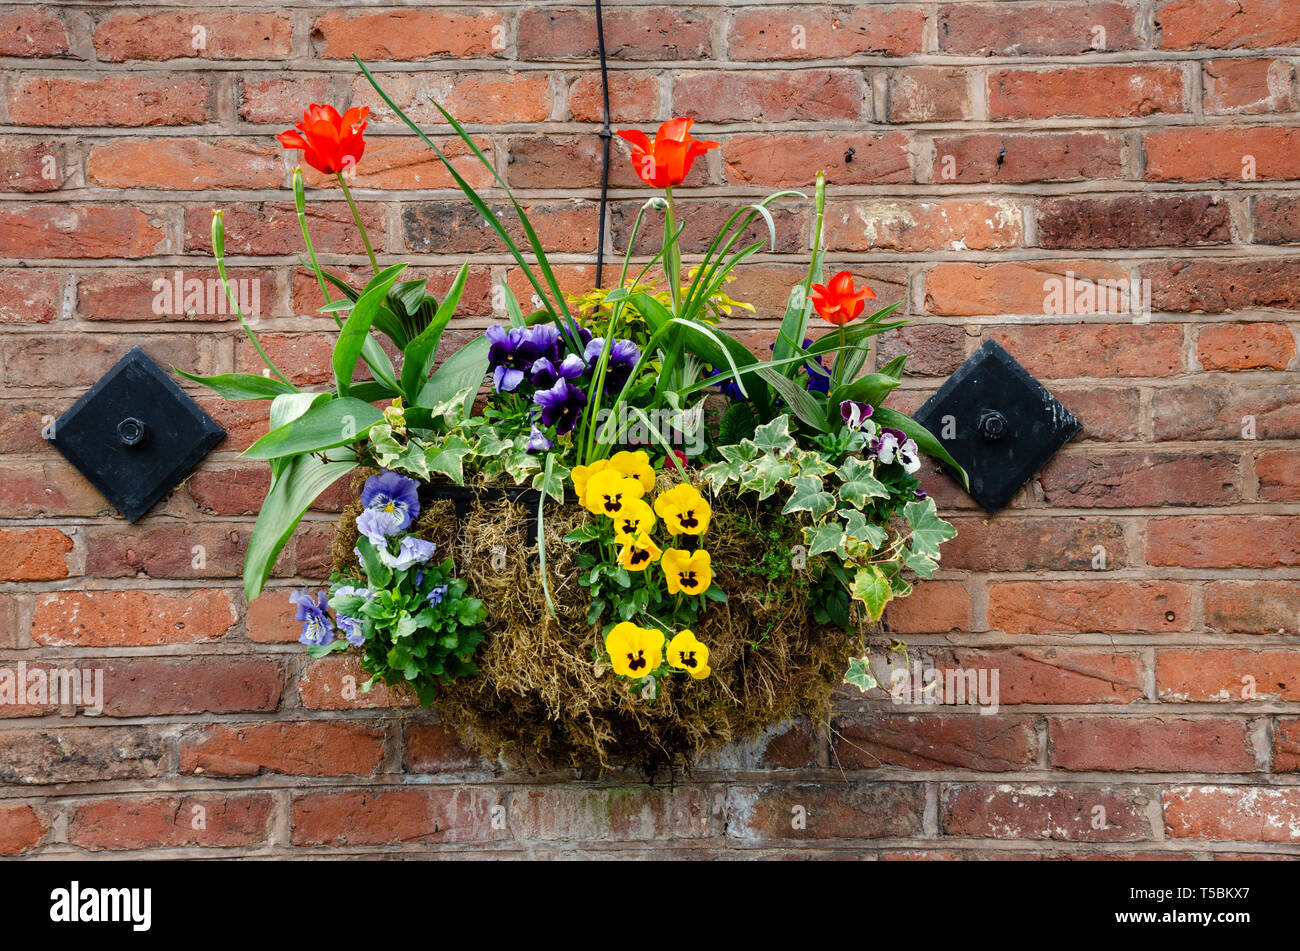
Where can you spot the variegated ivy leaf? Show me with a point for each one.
(872, 588)
(928, 529)
(554, 486)
(812, 463)
(739, 454)
(823, 539)
(775, 436)
(859, 483)
(449, 457)
(387, 449)
(766, 473)
(859, 674)
(452, 410)
(856, 526)
(720, 473)
(923, 565)
(808, 496)
(491, 443)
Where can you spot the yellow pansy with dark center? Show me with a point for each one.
(634, 651)
(635, 465)
(688, 654)
(639, 553)
(686, 572)
(683, 510)
(581, 474)
(609, 492)
(636, 519)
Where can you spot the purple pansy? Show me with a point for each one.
(412, 551)
(317, 629)
(352, 630)
(894, 446)
(728, 387)
(513, 352)
(544, 372)
(538, 441)
(623, 356)
(390, 502)
(562, 405)
(856, 415)
(435, 596)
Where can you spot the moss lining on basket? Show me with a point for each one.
(544, 693)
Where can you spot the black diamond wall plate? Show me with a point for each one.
(998, 422)
(135, 434)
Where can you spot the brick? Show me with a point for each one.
(778, 96)
(1253, 346)
(67, 360)
(475, 299)
(334, 683)
(29, 490)
(302, 357)
(832, 811)
(407, 35)
(1047, 30)
(29, 296)
(633, 97)
(445, 227)
(924, 226)
(8, 621)
(269, 618)
(929, 94)
(131, 618)
(1061, 351)
(80, 754)
(1035, 544)
(1252, 607)
(1227, 24)
(271, 228)
(1279, 475)
(1265, 541)
(139, 822)
(34, 554)
(1286, 746)
(1214, 287)
(1224, 154)
(185, 164)
(1108, 414)
(172, 35)
(932, 349)
(192, 294)
(933, 608)
(324, 748)
(32, 32)
(793, 744)
(1227, 412)
(793, 159)
(933, 741)
(1027, 157)
(166, 551)
(1276, 219)
(565, 162)
(1103, 607)
(651, 33)
(134, 100)
(79, 231)
(1101, 91)
(435, 748)
(1131, 480)
(1054, 675)
(34, 165)
(1247, 86)
(398, 163)
(1061, 813)
(1227, 676)
(240, 490)
(145, 687)
(638, 813)
(770, 33)
(1134, 222)
(1232, 813)
(963, 289)
(22, 828)
(392, 817)
(501, 97)
(700, 222)
(281, 100)
(1128, 744)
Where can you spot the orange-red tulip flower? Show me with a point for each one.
(667, 160)
(330, 143)
(839, 302)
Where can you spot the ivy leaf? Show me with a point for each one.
(824, 539)
(929, 531)
(812, 463)
(856, 526)
(775, 436)
(808, 496)
(741, 453)
(767, 473)
(872, 588)
(859, 483)
(859, 674)
(449, 458)
(720, 473)
(554, 485)
(490, 444)
(923, 565)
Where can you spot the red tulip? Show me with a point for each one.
(667, 160)
(839, 302)
(331, 143)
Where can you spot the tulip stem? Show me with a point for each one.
(300, 205)
(837, 372)
(672, 252)
(356, 216)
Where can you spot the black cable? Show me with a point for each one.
(607, 136)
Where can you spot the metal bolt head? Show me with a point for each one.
(131, 431)
(993, 425)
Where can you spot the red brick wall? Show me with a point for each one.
(976, 150)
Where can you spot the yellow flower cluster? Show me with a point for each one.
(636, 651)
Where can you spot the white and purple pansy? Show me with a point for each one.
(317, 628)
(412, 551)
(390, 503)
(893, 446)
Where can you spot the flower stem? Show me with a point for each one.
(356, 216)
(300, 203)
(672, 252)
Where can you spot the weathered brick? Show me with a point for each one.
(1103, 91)
(334, 683)
(1227, 412)
(176, 34)
(31, 165)
(1224, 541)
(29, 296)
(79, 231)
(191, 294)
(1013, 158)
(178, 163)
(322, 748)
(1227, 24)
(436, 748)
(1247, 86)
(1253, 346)
(280, 100)
(699, 222)
(1128, 744)
(768, 34)
(32, 32)
(648, 33)
(1148, 221)
(832, 811)
(961, 289)
(636, 813)
(1232, 813)
(933, 608)
(935, 741)
(929, 94)
(924, 226)
(147, 687)
(1225, 154)
(1054, 675)
(784, 96)
(1286, 746)
(1214, 287)
(1036, 544)
(1061, 351)
(793, 159)
(34, 554)
(1222, 675)
(1104, 607)
(1279, 475)
(21, 828)
(1133, 479)
(80, 754)
(1252, 607)
(131, 618)
(134, 100)
(633, 97)
(1049, 29)
(166, 551)
(1064, 813)
(393, 817)
(200, 819)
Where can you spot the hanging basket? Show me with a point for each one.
(545, 692)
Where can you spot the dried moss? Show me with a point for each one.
(543, 696)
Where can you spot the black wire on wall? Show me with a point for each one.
(607, 135)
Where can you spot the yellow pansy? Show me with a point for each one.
(637, 518)
(688, 654)
(634, 651)
(635, 465)
(639, 553)
(609, 492)
(687, 571)
(581, 474)
(684, 510)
